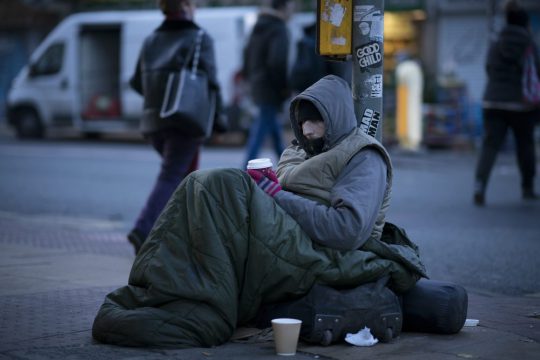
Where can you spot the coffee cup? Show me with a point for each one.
(263, 165)
(286, 333)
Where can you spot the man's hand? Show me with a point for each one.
(268, 183)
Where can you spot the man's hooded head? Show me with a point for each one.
(330, 101)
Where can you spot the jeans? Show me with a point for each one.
(264, 124)
(496, 124)
(180, 156)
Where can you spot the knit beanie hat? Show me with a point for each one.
(308, 111)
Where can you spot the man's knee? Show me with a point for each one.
(226, 178)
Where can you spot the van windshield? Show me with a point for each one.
(50, 62)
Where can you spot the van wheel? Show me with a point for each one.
(92, 135)
(28, 124)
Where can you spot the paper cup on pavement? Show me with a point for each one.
(264, 165)
(286, 334)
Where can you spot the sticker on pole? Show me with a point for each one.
(370, 21)
(372, 87)
(370, 121)
(369, 55)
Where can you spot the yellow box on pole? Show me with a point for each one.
(334, 27)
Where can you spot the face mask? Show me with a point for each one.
(314, 147)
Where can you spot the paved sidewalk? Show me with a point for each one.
(55, 274)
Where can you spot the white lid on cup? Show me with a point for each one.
(261, 163)
(286, 321)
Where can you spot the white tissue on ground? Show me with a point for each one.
(361, 338)
(471, 322)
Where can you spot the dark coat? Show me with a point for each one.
(265, 60)
(504, 65)
(165, 51)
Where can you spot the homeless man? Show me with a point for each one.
(222, 247)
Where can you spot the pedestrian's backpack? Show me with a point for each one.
(308, 66)
(328, 314)
(530, 81)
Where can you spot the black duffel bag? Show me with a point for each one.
(433, 306)
(328, 314)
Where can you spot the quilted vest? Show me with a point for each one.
(315, 177)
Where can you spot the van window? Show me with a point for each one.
(50, 62)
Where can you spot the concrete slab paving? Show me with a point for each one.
(49, 298)
(55, 273)
(28, 269)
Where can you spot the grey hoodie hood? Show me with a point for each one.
(332, 96)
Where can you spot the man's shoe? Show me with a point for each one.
(136, 239)
(479, 199)
(528, 194)
(479, 192)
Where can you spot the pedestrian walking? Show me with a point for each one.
(165, 51)
(265, 69)
(309, 67)
(504, 106)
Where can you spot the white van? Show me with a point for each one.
(77, 78)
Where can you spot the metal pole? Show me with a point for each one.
(367, 59)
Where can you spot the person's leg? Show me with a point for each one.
(179, 156)
(495, 128)
(257, 133)
(195, 162)
(523, 128)
(135, 236)
(275, 129)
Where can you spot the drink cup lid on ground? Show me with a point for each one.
(261, 163)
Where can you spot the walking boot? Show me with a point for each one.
(479, 199)
(479, 193)
(136, 239)
(528, 194)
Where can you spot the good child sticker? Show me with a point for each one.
(369, 55)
